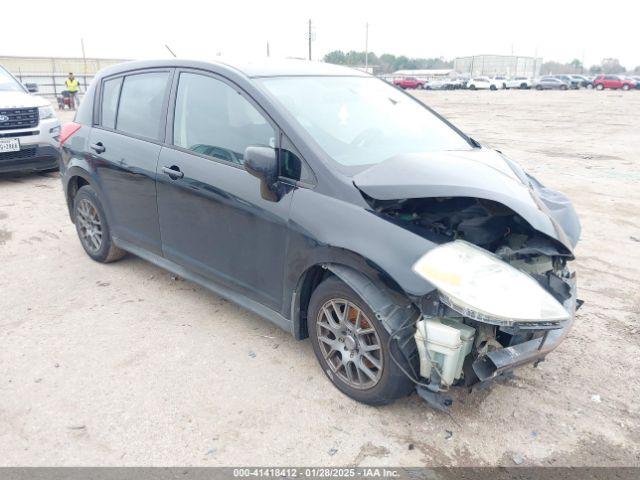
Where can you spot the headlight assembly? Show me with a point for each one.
(45, 112)
(481, 286)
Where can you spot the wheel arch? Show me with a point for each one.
(390, 306)
(74, 179)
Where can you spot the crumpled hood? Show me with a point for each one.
(478, 173)
(21, 100)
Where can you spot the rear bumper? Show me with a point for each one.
(30, 158)
(499, 361)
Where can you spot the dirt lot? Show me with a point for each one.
(125, 365)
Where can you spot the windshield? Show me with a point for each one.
(8, 83)
(362, 120)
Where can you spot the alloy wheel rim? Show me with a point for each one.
(89, 224)
(350, 344)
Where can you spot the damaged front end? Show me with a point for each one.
(503, 292)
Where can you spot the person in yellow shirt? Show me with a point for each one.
(73, 87)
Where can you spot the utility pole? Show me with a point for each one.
(268, 53)
(366, 48)
(84, 61)
(309, 39)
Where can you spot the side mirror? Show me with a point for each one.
(31, 87)
(262, 163)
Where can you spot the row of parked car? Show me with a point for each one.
(547, 82)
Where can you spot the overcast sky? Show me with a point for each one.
(556, 30)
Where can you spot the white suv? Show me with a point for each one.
(29, 129)
(482, 83)
(519, 82)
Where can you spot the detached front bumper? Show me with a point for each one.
(494, 363)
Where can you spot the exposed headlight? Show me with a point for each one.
(479, 285)
(46, 112)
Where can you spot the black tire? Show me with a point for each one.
(472, 87)
(105, 251)
(392, 383)
(523, 86)
(625, 87)
(600, 86)
(563, 87)
(493, 87)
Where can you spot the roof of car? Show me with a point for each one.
(264, 67)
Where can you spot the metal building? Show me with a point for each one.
(49, 73)
(491, 65)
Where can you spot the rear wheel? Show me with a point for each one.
(563, 87)
(350, 344)
(600, 86)
(625, 87)
(92, 227)
(472, 87)
(493, 87)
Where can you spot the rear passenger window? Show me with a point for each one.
(110, 94)
(141, 103)
(213, 119)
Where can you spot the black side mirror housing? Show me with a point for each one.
(31, 87)
(262, 163)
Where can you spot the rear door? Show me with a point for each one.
(125, 146)
(212, 218)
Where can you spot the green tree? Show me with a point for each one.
(576, 65)
(337, 56)
(612, 65)
(553, 68)
(387, 61)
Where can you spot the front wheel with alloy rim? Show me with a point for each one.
(92, 227)
(351, 345)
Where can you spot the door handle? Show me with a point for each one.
(173, 172)
(98, 147)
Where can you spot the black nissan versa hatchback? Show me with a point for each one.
(335, 206)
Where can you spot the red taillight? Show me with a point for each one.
(67, 130)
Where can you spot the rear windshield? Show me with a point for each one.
(362, 120)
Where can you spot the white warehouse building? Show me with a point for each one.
(491, 65)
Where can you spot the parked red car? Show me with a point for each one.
(613, 81)
(408, 82)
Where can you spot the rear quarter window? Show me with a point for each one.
(141, 103)
(109, 106)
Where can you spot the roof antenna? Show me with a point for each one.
(170, 51)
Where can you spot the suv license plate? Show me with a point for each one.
(9, 145)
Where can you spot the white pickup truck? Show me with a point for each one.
(29, 129)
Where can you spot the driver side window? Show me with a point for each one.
(213, 119)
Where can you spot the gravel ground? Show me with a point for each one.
(122, 364)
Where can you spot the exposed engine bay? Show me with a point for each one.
(455, 346)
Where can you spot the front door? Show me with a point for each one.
(213, 220)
